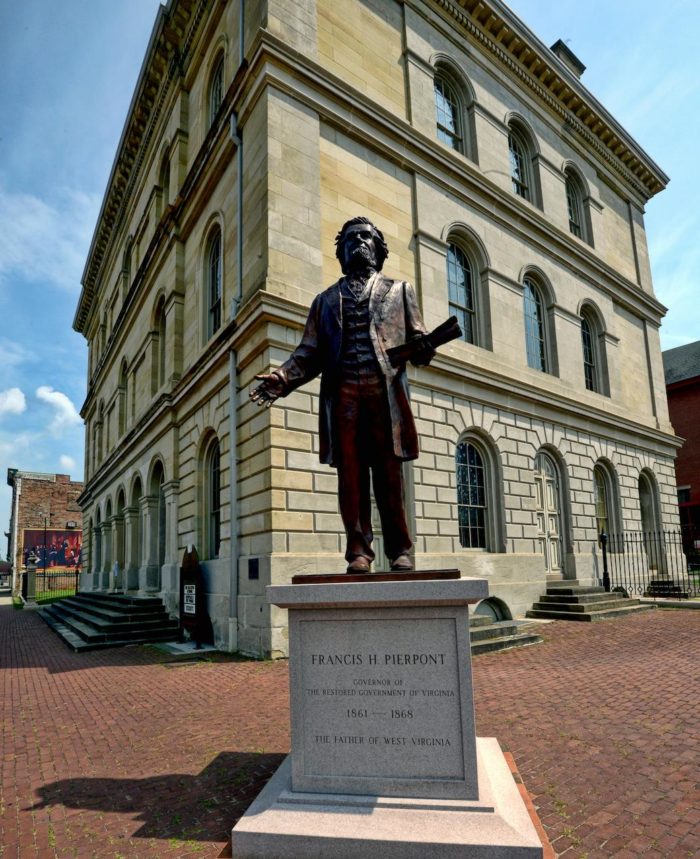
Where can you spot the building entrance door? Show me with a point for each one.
(548, 500)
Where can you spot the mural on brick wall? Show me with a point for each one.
(55, 549)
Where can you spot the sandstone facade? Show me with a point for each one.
(250, 140)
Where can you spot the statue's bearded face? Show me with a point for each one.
(359, 251)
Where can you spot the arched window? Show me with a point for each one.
(99, 447)
(449, 113)
(126, 269)
(602, 501)
(123, 397)
(103, 332)
(461, 291)
(593, 351)
(216, 90)
(648, 503)
(535, 327)
(214, 285)
(165, 181)
(574, 204)
(650, 519)
(159, 347)
(472, 510)
(212, 500)
(606, 500)
(520, 158)
(590, 370)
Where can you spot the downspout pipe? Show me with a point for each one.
(235, 134)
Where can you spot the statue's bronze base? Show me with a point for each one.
(342, 578)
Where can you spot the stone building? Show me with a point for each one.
(682, 374)
(41, 503)
(508, 195)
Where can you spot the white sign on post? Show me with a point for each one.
(190, 606)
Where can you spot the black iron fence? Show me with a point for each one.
(53, 584)
(656, 564)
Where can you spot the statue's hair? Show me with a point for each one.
(380, 244)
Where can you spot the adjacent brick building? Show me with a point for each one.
(44, 502)
(508, 195)
(682, 374)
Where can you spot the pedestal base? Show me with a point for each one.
(283, 824)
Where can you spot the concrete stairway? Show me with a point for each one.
(488, 636)
(91, 621)
(568, 600)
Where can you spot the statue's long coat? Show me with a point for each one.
(394, 320)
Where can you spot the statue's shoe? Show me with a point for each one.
(359, 564)
(402, 564)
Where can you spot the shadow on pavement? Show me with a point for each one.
(176, 806)
(27, 642)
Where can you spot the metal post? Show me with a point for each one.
(604, 547)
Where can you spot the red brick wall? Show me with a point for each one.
(58, 499)
(684, 409)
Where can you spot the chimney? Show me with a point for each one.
(568, 57)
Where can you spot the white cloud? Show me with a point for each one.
(46, 241)
(67, 463)
(66, 413)
(14, 354)
(12, 402)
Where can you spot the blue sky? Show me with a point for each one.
(68, 73)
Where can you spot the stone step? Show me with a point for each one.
(492, 630)
(79, 645)
(124, 613)
(574, 591)
(562, 605)
(487, 635)
(590, 616)
(118, 602)
(112, 623)
(590, 599)
(507, 642)
(89, 633)
(88, 621)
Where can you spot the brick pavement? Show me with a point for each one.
(115, 754)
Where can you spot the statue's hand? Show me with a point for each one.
(424, 355)
(269, 389)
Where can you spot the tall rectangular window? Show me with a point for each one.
(214, 283)
(460, 289)
(534, 328)
(471, 497)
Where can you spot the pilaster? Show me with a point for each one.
(149, 571)
(132, 547)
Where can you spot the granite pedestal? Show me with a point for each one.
(384, 756)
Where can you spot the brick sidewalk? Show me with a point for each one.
(115, 754)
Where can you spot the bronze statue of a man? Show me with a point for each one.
(365, 418)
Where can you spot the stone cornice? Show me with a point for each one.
(446, 368)
(508, 40)
(167, 54)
